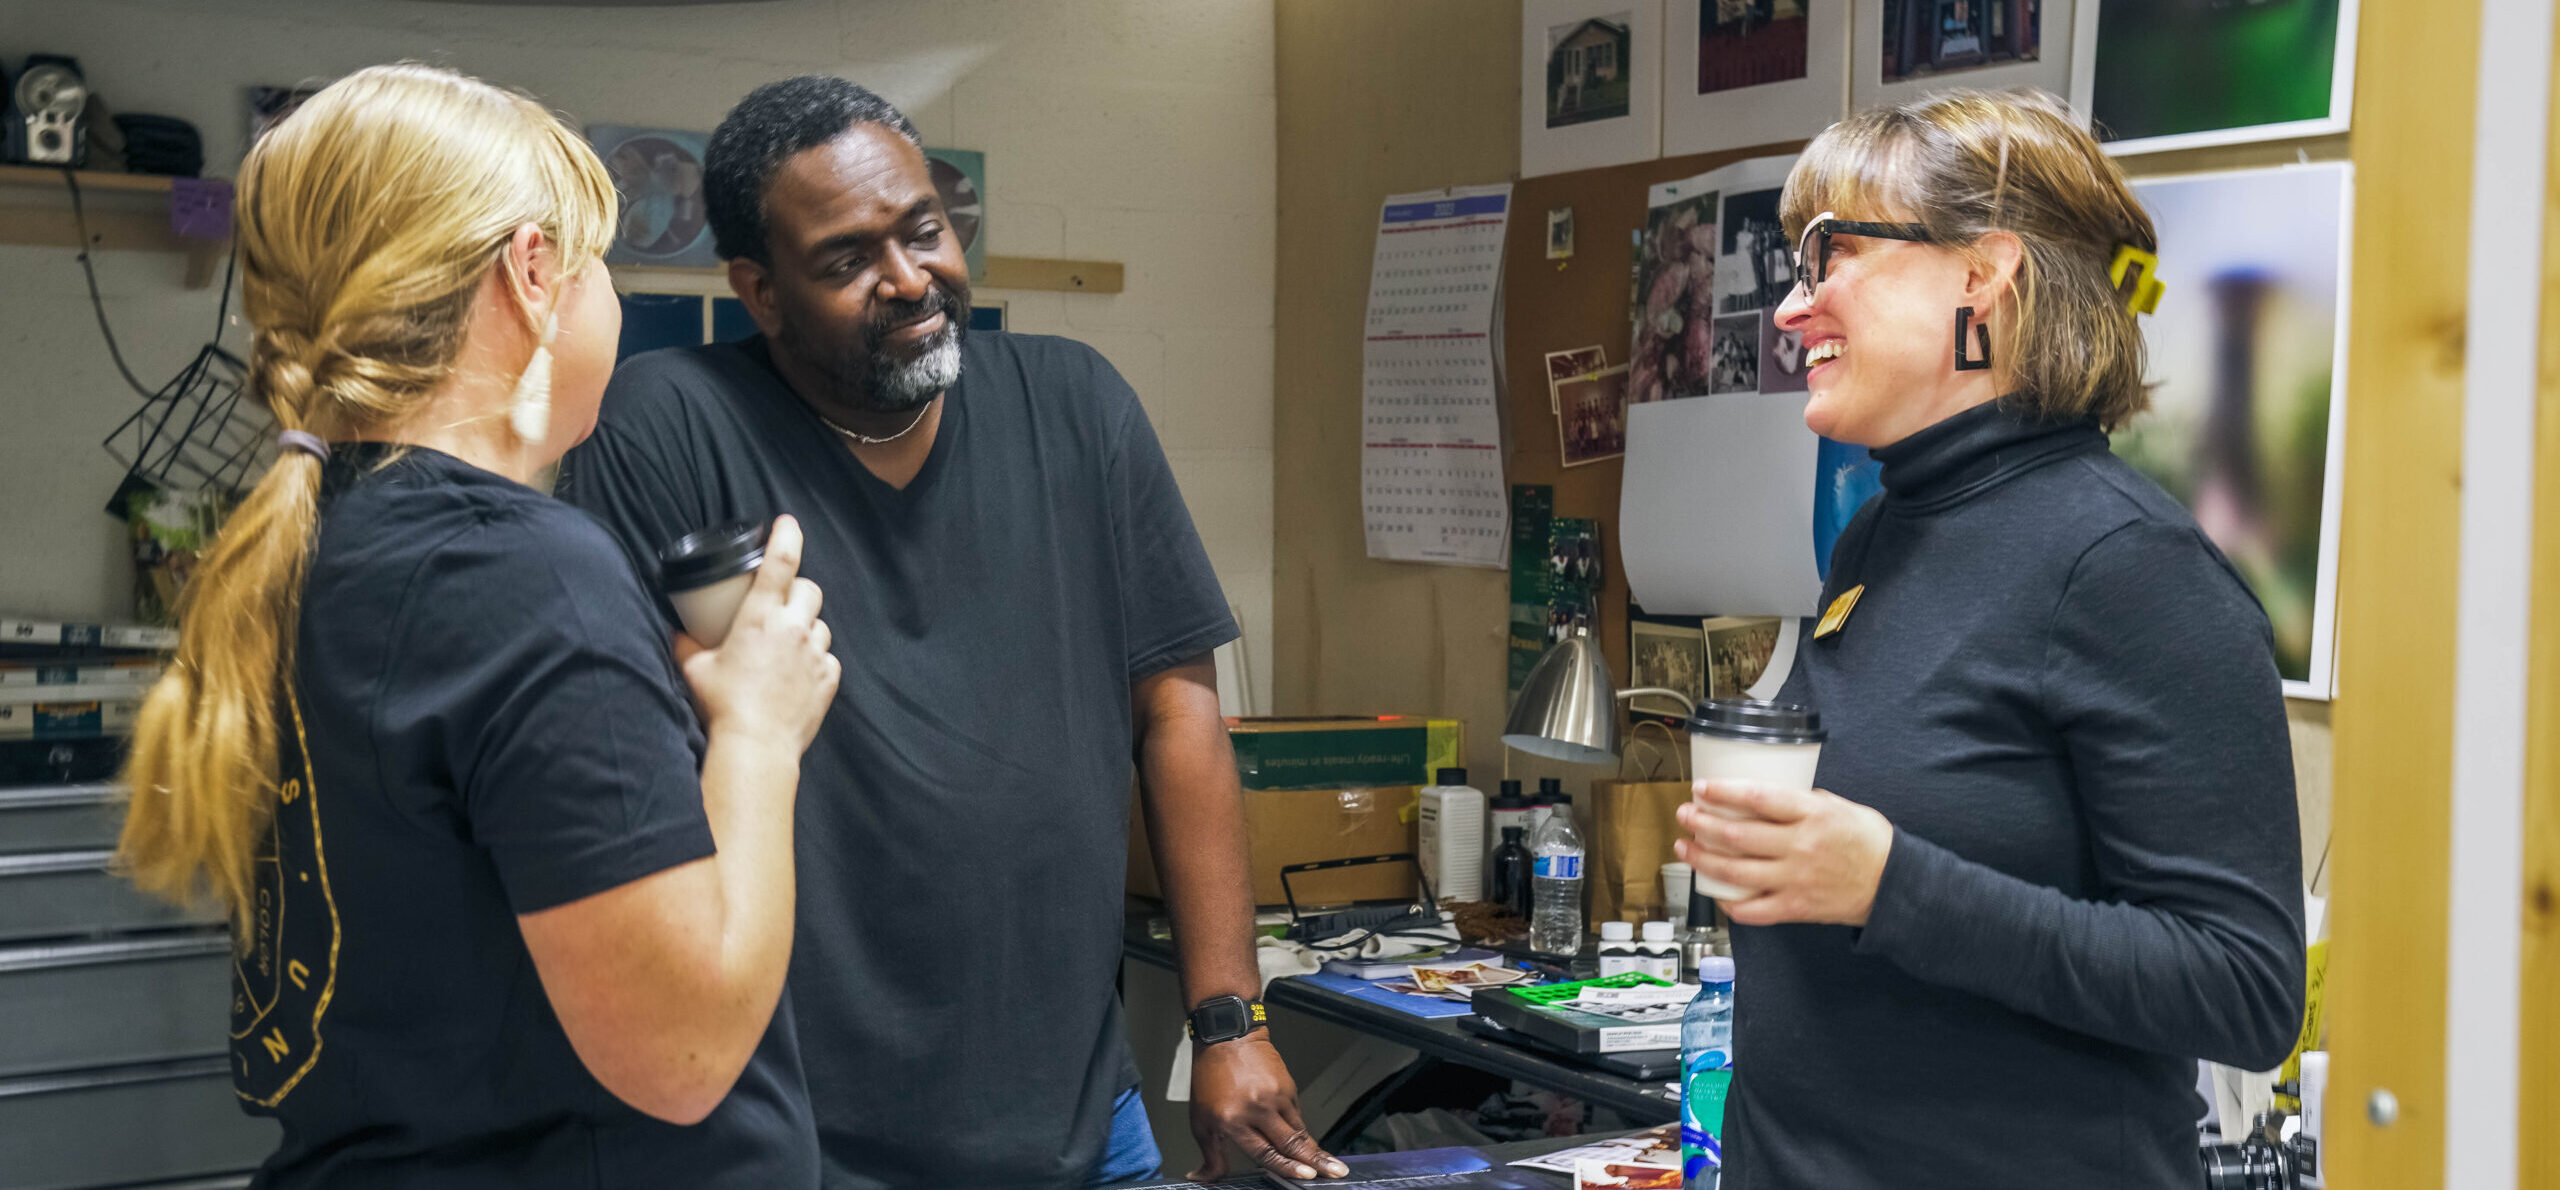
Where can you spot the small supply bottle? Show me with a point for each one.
(1507, 873)
(1659, 955)
(1617, 948)
(1452, 837)
(1706, 1073)
(1542, 805)
(1555, 872)
(1509, 807)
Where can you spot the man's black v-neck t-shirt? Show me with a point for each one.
(484, 721)
(963, 815)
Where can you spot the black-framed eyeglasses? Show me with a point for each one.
(1813, 253)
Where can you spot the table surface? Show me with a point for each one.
(1642, 1103)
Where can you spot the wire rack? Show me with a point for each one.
(198, 434)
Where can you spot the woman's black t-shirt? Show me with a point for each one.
(484, 722)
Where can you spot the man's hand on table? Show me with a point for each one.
(1242, 1093)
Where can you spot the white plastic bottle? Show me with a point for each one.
(1555, 877)
(1452, 837)
(1617, 948)
(1658, 955)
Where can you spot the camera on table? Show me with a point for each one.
(2262, 1160)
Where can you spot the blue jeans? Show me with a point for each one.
(1130, 1155)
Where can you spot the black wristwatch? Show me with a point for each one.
(1226, 1018)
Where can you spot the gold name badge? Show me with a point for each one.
(1839, 613)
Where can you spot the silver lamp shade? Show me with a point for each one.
(1568, 710)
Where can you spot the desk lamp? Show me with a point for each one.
(1568, 706)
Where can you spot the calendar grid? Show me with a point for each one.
(1431, 435)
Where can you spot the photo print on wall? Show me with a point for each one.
(2247, 350)
(1751, 72)
(1907, 48)
(2155, 76)
(1590, 84)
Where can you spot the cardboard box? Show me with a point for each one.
(1295, 826)
(1341, 753)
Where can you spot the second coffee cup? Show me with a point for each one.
(705, 575)
(1745, 739)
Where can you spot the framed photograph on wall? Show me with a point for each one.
(1737, 73)
(2248, 355)
(1668, 652)
(1590, 95)
(2153, 76)
(1903, 49)
(658, 171)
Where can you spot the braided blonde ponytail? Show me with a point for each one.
(367, 221)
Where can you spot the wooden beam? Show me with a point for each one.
(50, 178)
(1063, 276)
(113, 231)
(2398, 558)
(2538, 1089)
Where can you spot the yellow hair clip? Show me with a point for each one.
(2135, 274)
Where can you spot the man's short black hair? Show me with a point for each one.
(767, 127)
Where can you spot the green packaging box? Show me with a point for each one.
(1335, 753)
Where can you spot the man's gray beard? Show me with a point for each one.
(900, 385)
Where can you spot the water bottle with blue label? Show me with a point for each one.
(1555, 879)
(1706, 1073)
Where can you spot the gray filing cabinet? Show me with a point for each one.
(114, 1016)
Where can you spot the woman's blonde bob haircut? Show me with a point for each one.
(367, 222)
(1966, 164)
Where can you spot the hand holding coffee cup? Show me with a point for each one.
(1764, 841)
(1744, 739)
(772, 672)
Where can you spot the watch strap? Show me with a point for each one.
(1225, 1018)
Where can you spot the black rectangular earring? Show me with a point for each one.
(1982, 335)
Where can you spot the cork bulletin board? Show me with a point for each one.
(1547, 308)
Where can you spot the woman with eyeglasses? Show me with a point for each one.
(2054, 859)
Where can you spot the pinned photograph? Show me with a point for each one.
(1734, 360)
(1669, 655)
(1588, 68)
(1592, 416)
(1560, 234)
(1738, 649)
(1781, 357)
(1676, 296)
(1566, 365)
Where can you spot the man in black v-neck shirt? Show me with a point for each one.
(1022, 604)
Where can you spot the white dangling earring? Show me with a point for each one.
(529, 410)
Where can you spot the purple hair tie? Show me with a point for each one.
(307, 443)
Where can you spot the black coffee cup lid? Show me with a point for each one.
(1758, 721)
(706, 556)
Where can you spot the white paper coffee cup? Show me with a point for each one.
(706, 575)
(1745, 739)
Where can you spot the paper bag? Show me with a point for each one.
(1632, 829)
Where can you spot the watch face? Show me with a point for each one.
(1220, 1019)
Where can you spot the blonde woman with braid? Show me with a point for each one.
(506, 915)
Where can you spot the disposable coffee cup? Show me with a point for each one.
(1746, 739)
(706, 574)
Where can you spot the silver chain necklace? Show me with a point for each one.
(868, 440)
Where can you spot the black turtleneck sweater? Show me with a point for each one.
(2066, 702)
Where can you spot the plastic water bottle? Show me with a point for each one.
(1555, 877)
(1706, 1071)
